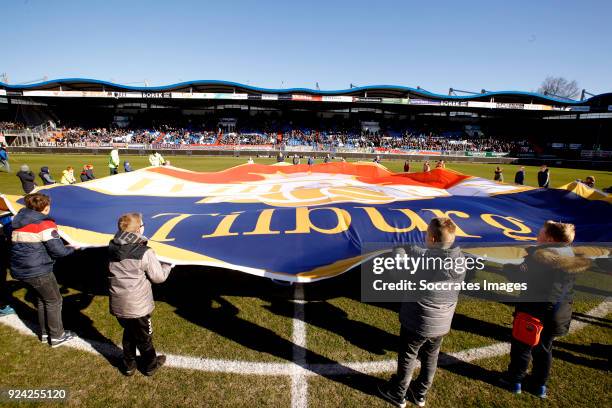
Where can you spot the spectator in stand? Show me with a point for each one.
(68, 176)
(426, 167)
(543, 176)
(113, 161)
(126, 167)
(296, 159)
(519, 177)
(45, 176)
(27, 178)
(406, 166)
(499, 176)
(590, 181)
(4, 159)
(310, 160)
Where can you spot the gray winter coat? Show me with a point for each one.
(432, 314)
(133, 266)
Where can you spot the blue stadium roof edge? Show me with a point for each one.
(397, 88)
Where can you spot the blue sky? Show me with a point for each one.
(510, 45)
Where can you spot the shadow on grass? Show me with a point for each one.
(73, 318)
(481, 328)
(201, 304)
(198, 294)
(595, 321)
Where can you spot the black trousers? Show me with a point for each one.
(48, 303)
(138, 334)
(413, 346)
(521, 354)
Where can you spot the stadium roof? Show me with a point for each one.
(393, 91)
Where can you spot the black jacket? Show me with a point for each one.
(27, 181)
(45, 176)
(519, 177)
(543, 178)
(550, 272)
(35, 244)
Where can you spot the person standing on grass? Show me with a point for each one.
(499, 176)
(133, 267)
(590, 181)
(45, 176)
(519, 177)
(4, 159)
(156, 159)
(113, 161)
(426, 167)
(35, 245)
(406, 166)
(425, 322)
(550, 268)
(27, 178)
(543, 176)
(68, 176)
(127, 167)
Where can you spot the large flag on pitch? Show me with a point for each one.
(304, 223)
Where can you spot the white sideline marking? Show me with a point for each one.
(298, 369)
(299, 383)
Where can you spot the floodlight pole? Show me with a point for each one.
(584, 93)
(453, 91)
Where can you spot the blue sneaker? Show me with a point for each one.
(540, 392)
(513, 387)
(7, 310)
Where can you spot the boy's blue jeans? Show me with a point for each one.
(413, 345)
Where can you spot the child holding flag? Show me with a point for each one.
(133, 267)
